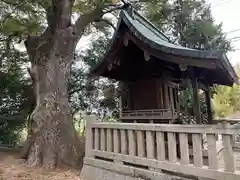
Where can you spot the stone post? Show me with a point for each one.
(89, 135)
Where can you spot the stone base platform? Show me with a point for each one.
(96, 173)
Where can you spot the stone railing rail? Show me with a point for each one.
(141, 149)
(236, 125)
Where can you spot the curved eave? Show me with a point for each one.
(159, 42)
(149, 35)
(227, 65)
(94, 71)
(154, 40)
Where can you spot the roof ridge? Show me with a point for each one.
(146, 22)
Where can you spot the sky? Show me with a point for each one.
(227, 12)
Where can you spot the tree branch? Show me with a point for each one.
(59, 14)
(116, 7)
(108, 23)
(85, 19)
(95, 16)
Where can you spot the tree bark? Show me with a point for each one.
(53, 140)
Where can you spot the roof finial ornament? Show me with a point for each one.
(128, 7)
(126, 4)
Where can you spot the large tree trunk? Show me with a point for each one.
(53, 140)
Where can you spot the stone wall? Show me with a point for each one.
(95, 173)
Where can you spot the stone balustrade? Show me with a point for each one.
(138, 149)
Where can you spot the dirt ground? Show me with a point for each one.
(12, 168)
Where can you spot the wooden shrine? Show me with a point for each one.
(150, 69)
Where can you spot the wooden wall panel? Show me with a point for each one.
(144, 95)
(150, 94)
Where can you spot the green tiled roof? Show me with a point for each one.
(150, 35)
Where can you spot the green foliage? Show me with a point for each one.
(222, 101)
(87, 94)
(188, 23)
(17, 20)
(15, 97)
(186, 104)
(226, 100)
(21, 18)
(158, 12)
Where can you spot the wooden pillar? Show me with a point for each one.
(196, 105)
(171, 103)
(120, 106)
(166, 96)
(209, 107)
(161, 96)
(171, 97)
(177, 100)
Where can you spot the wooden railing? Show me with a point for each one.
(149, 114)
(138, 149)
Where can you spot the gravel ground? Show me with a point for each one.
(12, 168)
